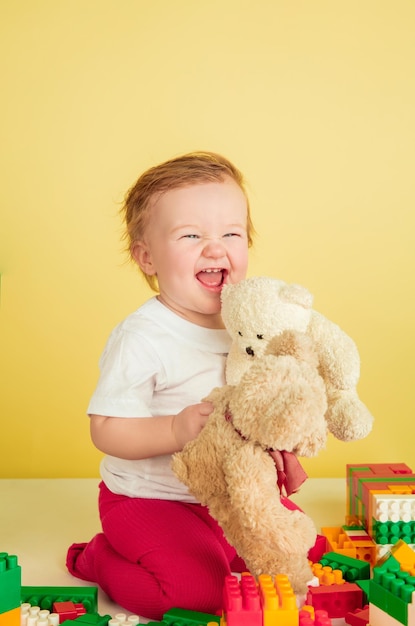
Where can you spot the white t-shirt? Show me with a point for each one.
(155, 363)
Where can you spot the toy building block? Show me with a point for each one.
(363, 480)
(353, 543)
(392, 590)
(183, 617)
(337, 600)
(381, 618)
(89, 619)
(358, 617)
(241, 602)
(10, 618)
(279, 606)
(10, 582)
(122, 619)
(68, 610)
(46, 596)
(327, 575)
(352, 569)
(313, 618)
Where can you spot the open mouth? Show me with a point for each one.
(212, 278)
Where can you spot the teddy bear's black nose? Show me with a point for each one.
(249, 351)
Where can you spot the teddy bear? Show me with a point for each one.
(244, 460)
(257, 308)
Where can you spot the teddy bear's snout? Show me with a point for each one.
(250, 351)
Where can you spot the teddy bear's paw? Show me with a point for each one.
(305, 532)
(348, 419)
(299, 574)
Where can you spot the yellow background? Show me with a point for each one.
(313, 100)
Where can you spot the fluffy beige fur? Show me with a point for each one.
(279, 403)
(256, 309)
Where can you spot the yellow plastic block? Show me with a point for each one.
(278, 600)
(10, 618)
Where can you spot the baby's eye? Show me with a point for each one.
(190, 236)
(231, 235)
(260, 336)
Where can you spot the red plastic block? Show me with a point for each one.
(242, 605)
(68, 610)
(359, 617)
(337, 600)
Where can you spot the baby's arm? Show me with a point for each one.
(143, 437)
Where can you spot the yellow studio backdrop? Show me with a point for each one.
(313, 100)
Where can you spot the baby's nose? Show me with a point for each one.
(214, 248)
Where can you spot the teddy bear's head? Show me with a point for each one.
(256, 309)
(280, 401)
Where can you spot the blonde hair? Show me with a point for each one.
(189, 169)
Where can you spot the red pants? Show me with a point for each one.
(154, 555)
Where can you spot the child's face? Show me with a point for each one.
(196, 241)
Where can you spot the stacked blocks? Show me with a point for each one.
(380, 511)
(270, 602)
(10, 586)
(45, 597)
(392, 589)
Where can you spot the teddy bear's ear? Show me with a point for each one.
(297, 294)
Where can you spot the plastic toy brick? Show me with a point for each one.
(405, 556)
(378, 617)
(10, 618)
(313, 618)
(241, 602)
(351, 543)
(352, 569)
(337, 541)
(392, 590)
(359, 617)
(68, 610)
(10, 582)
(327, 575)
(89, 619)
(183, 617)
(381, 478)
(279, 606)
(337, 600)
(46, 596)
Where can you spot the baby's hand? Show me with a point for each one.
(188, 423)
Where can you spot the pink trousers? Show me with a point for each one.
(154, 555)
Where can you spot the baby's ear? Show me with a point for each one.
(142, 256)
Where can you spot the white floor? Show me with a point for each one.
(40, 518)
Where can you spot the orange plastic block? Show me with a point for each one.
(10, 618)
(327, 575)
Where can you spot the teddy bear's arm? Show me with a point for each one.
(338, 354)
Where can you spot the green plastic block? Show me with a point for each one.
(46, 596)
(183, 617)
(353, 569)
(391, 589)
(89, 619)
(10, 582)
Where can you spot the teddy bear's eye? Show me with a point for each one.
(239, 333)
(260, 336)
